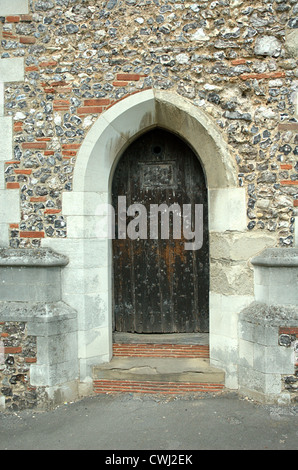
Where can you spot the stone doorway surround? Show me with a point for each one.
(87, 279)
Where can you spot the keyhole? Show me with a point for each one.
(157, 149)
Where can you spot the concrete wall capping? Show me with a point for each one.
(278, 257)
(44, 257)
(36, 312)
(270, 315)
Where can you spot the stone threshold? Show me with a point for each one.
(161, 338)
(157, 375)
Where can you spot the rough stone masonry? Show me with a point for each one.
(236, 60)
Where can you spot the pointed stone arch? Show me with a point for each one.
(87, 280)
(124, 121)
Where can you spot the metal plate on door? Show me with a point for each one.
(157, 175)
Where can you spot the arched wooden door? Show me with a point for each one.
(159, 286)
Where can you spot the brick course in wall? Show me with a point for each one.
(17, 353)
(229, 58)
(160, 350)
(288, 336)
(106, 386)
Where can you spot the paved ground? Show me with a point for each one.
(154, 423)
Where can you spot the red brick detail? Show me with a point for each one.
(13, 350)
(238, 61)
(23, 172)
(288, 331)
(97, 102)
(167, 388)
(54, 87)
(64, 89)
(8, 35)
(69, 153)
(34, 145)
(38, 199)
(286, 167)
(129, 77)
(13, 162)
(61, 104)
(71, 146)
(52, 211)
(118, 83)
(11, 185)
(32, 234)
(12, 19)
(18, 125)
(89, 110)
(59, 83)
(259, 76)
(31, 68)
(129, 94)
(49, 90)
(49, 63)
(289, 183)
(49, 152)
(30, 360)
(295, 202)
(27, 40)
(12, 226)
(4, 335)
(161, 350)
(26, 18)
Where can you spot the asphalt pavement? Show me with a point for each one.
(157, 424)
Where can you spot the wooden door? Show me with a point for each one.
(159, 286)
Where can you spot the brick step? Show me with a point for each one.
(169, 375)
(160, 350)
(164, 388)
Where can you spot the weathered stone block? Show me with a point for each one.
(267, 46)
(276, 276)
(262, 361)
(30, 275)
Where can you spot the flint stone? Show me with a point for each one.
(199, 35)
(293, 23)
(44, 5)
(237, 115)
(285, 340)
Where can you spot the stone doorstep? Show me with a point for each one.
(196, 370)
(159, 363)
(157, 375)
